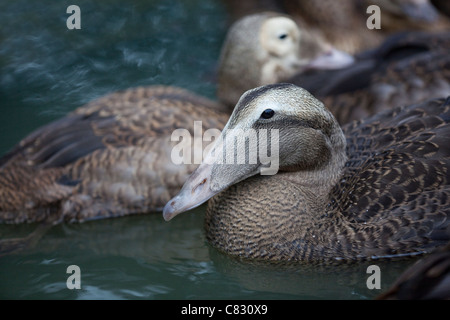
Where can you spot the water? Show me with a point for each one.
(142, 257)
(47, 71)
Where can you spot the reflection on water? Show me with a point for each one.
(47, 71)
(142, 257)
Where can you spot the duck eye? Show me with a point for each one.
(267, 114)
(282, 36)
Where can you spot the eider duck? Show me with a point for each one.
(406, 68)
(345, 23)
(375, 188)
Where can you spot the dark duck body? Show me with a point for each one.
(406, 68)
(427, 279)
(344, 23)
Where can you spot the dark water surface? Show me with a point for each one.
(47, 71)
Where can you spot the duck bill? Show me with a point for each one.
(196, 191)
(331, 59)
(214, 175)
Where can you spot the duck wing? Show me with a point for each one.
(395, 191)
(108, 158)
(407, 68)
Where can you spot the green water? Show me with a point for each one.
(46, 71)
(142, 257)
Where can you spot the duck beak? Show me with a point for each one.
(196, 191)
(212, 176)
(331, 59)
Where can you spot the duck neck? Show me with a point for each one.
(316, 183)
(285, 219)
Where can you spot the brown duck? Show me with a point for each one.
(267, 46)
(407, 68)
(343, 23)
(112, 157)
(377, 188)
(109, 158)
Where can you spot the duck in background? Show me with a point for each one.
(406, 68)
(427, 279)
(109, 158)
(269, 47)
(343, 23)
(375, 188)
(113, 156)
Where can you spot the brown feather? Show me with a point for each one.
(343, 23)
(407, 68)
(106, 159)
(392, 199)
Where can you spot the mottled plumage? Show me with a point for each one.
(109, 158)
(378, 188)
(407, 68)
(343, 23)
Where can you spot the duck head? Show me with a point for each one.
(273, 128)
(267, 48)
